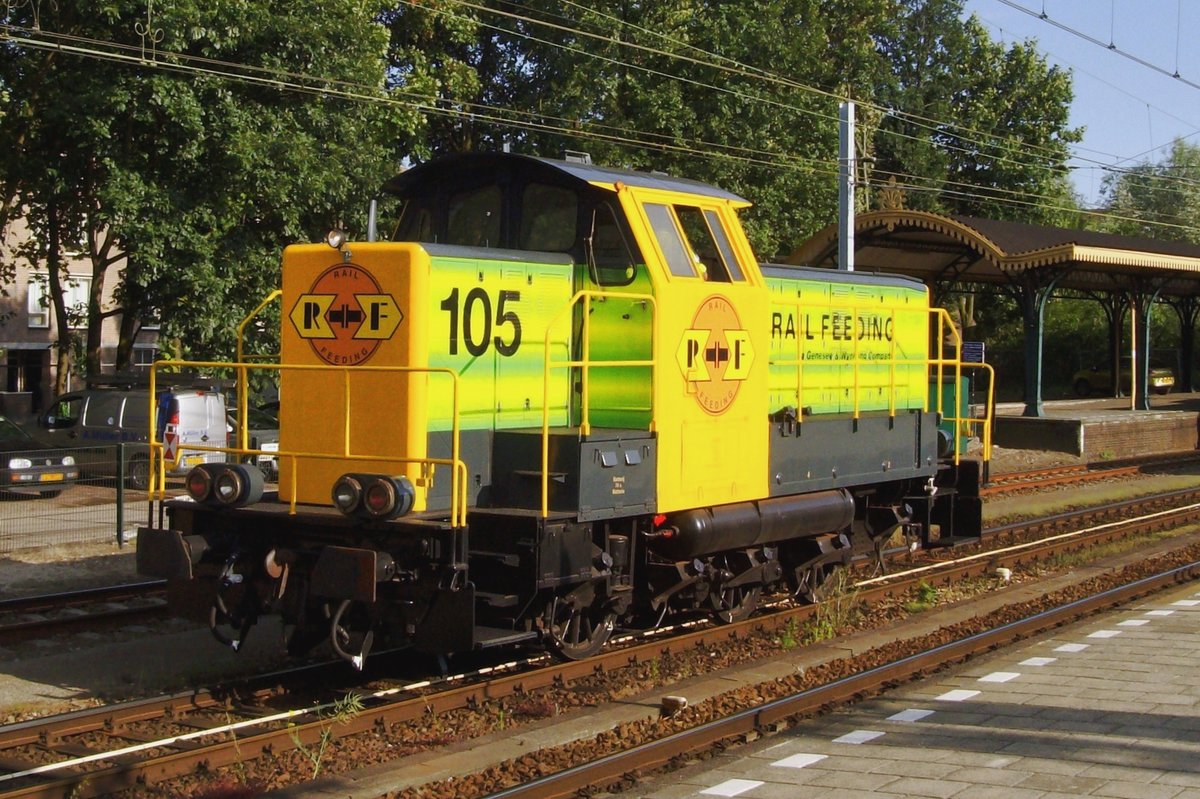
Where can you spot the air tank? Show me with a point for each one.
(691, 533)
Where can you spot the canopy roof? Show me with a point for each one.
(974, 250)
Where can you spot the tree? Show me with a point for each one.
(973, 127)
(194, 151)
(1160, 201)
(743, 95)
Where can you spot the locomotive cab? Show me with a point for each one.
(557, 398)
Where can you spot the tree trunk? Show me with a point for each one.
(54, 268)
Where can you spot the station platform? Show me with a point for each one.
(1102, 428)
(1106, 707)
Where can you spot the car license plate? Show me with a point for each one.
(51, 477)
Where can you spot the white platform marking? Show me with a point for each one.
(1037, 661)
(1105, 634)
(959, 695)
(1160, 613)
(858, 737)
(1133, 623)
(911, 715)
(1186, 603)
(1071, 647)
(799, 761)
(731, 788)
(1000, 676)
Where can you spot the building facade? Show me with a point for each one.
(28, 330)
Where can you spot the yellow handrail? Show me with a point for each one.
(937, 360)
(458, 492)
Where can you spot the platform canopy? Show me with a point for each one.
(966, 249)
(1031, 262)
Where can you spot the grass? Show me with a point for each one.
(926, 598)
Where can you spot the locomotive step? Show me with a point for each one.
(487, 637)
(498, 600)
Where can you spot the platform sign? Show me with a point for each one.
(972, 352)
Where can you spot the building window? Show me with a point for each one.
(144, 356)
(76, 290)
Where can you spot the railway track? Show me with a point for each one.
(1062, 476)
(27, 618)
(749, 723)
(99, 752)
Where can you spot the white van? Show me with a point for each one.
(96, 420)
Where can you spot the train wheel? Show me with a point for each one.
(818, 583)
(733, 604)
(578, 629)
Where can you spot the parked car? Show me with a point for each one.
(96, 420)
(1099, 378)
(30, 467)
(262, 433)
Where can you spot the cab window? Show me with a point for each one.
(698, 245)
(612, 263)
(474, 218)
(549, 215)
(416, 225)
(680, 261)
(724, 248)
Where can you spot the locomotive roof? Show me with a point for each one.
(447, 168)
(823, 273)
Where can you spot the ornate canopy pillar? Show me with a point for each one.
(1142, 297)
(1031, 288)
(1186, 309)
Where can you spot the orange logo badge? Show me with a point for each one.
(345, 316)
(715, 355)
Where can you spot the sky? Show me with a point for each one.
(1130, 112)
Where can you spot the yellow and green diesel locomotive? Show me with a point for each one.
(557, 398)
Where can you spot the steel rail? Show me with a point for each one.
(1080, 473)
(753, 721)
(388, 708)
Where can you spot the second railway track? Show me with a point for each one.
(110, 749)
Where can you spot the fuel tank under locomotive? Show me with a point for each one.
(692, 533)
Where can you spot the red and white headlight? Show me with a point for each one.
(225, 485)
(374, 496)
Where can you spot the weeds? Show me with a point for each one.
(788, 638)
(841, 609)
(343, 710)
(926, 598)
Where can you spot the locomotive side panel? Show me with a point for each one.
(490, 314)
(839, 346)
(849, 380)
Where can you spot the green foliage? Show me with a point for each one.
(342, 712)
(697, 88)
(925, 599)
(979, 128)
(197, 178)
(789, 638)
(1160, 201)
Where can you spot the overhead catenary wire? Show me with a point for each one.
(739, 68)
(285, 81)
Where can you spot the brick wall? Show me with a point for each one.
(1168, 433)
